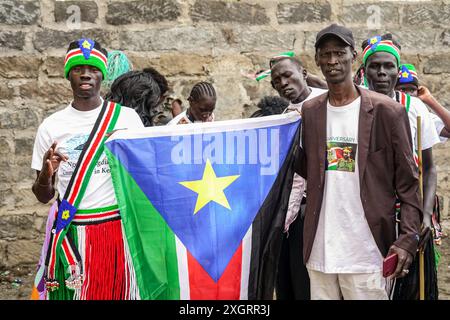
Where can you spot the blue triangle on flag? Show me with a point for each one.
(213, 234)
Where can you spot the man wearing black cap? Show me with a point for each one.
(86, 256)
(349, 221)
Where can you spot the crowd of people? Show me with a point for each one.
(357, 161)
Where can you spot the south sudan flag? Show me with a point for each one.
(203, 205)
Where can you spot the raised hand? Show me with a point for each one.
(423, 93)
(50, 164)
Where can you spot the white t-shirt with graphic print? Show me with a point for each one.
(343, 242)
(70, 128)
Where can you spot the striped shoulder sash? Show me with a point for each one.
(60, 245)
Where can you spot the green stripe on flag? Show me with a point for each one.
(151, 241)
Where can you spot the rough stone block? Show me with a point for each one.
(372, 15)
(54, 66)
(18, 119)
(246, 40)
(5, 145)
(4, 193)
(24, 146)
(183, 64)
(25, 66)
(426, 14)
(18, 227)
(231, 99)
(13, 253)
(15, 12)
(230, 65)
(437, 64)
(144, 11)
(25, 197)
(229, 12)
(49, 92)
(6, 91)
(78, 11)
(301, 12)
(182, 39)
(14, 40)
(51, 39)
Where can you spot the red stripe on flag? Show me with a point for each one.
(203, 287)
(91, 153)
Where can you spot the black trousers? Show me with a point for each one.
(292, 278)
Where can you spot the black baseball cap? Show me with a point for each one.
(336, 30)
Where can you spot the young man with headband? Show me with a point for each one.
(87, 257)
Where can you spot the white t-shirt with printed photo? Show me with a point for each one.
(70, 128)
(343, 242)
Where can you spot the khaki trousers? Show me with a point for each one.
(347, 286)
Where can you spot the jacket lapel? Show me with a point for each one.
(364, 131)
(321, 127)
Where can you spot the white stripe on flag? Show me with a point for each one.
(246, 256)
(183, 271)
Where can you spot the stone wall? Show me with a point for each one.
(188, 41)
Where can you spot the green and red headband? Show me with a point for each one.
(85, 52)
(273, 60)
(378, 44)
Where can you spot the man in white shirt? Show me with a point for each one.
(349, 223)
(63, 141)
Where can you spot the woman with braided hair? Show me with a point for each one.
(202, 102)
(137, 90)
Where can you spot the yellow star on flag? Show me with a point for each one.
(373, 40)
(86, 44)
(210, 188)
(65, 214)
(405, 74)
